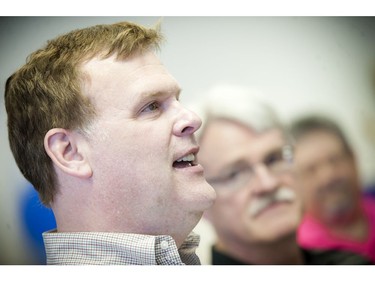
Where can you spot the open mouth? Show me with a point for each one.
(185, 162)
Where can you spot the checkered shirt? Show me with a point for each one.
(107, 248)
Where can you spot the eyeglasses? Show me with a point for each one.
(242, 173)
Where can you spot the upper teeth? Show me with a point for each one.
(188, 158)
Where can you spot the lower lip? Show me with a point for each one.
(271, 207)
(191, 169)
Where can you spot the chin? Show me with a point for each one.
(276, 231)
(276, 235)
(209, 195)
(195, 198)
(203, 194)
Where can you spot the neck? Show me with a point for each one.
(353, 226)
(284, 251)
(355, 229)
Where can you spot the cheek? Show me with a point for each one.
(142, 146)
(351, 175)
(120, 160)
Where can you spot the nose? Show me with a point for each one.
(187, 122)
(265, 182)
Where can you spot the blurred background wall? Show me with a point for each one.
(301, 64)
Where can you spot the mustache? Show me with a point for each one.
(282, 194)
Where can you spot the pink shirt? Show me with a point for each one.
(314, 235)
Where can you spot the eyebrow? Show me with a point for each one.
(229, 167)
(240, 161)
(160, 93)
(273, 151)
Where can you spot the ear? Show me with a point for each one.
(66, 149)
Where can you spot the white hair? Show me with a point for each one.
(238, 103)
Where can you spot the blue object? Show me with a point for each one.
(36, 219)
(370, 191)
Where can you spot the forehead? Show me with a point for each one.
(225, 141)
(107, 78)
(317, 144)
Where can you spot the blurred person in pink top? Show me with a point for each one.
(247, 156)
(337, 214)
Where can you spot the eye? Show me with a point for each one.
(236, 178)
(153, 106)
(233, 174)
(273, 158)
(236, 175)
(223, 180)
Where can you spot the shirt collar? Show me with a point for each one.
(118, 248)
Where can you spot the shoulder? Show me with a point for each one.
(311, 233)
